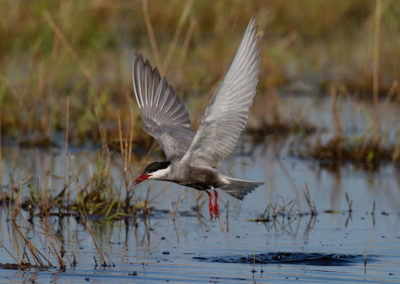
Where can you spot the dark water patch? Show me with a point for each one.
(163, 213)
(299, 258)
(23, 266)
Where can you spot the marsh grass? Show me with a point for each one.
(32, 204)
(269, 117)
(32, 208)
(287, 209)
(99, 193)
(367, 150)
(23, 234)
(281, 214)
(82, 51)
(24, 252)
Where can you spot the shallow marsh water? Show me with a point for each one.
(330, 246)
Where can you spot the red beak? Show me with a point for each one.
(140, 178)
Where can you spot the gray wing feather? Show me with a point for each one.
(226, 114)
(164, 115)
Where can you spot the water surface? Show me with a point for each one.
(336, 245)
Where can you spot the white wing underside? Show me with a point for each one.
(164, 115)
(226, 114)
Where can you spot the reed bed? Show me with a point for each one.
(81, 52)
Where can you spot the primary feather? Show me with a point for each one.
(164, 115)
(226, 114)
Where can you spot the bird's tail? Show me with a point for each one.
(239, 188)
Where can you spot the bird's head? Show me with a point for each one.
(155, 170)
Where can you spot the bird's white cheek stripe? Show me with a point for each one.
(160, 174)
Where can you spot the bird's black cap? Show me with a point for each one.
(155, 166)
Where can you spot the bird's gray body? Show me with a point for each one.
(200, 178)
(194, 157)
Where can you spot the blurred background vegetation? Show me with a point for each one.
(72, 59)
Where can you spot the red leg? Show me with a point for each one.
(210, 207)
(216, 211)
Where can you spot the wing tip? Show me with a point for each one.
(253, 28)
(139, 59)
(252, 24)
(253, 19)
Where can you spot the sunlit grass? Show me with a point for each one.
(83, 50)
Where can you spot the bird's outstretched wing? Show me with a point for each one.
(226, 114)
(164, 115)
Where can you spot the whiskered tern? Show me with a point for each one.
(192, 159)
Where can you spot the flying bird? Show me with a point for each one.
(192, 159)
